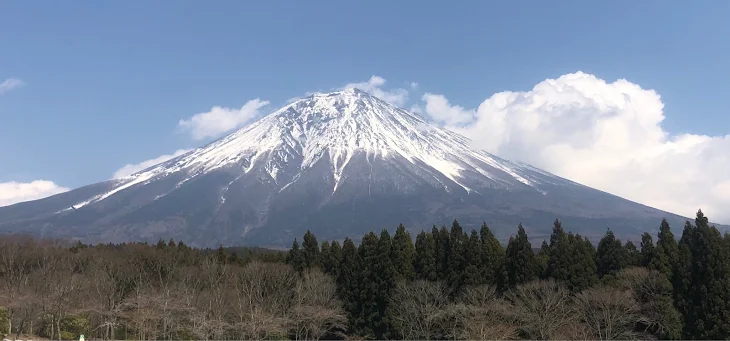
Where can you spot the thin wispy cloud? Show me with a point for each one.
(10, 84)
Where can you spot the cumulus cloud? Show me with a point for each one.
(606, 135)
(220, 120)
(130, 169)
(10, 84)
(15, 192)
(374, 86)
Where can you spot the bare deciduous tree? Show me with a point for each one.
(542, 308)
(608, 313)
(317, 311)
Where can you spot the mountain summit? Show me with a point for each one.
(339, 164)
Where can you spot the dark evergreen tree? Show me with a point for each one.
(520, 259)
(404, 254)
(324, 256)
(633, 257)
(347, 281)
(366, 318)
(335, 258)
(456, 256)
(665, 251)
(541, 260)
(708, 316)
(472, 274)
(493, 254)
(647, 250)
(582, 271)
(295, 257)
(221, 255)
(441, 238)
(611, 256)
(310, 248)
(425, 259)
(385, 279)
(559, 254)
(171, 243)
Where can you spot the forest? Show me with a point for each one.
(446, 284)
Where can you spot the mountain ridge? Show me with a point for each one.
(341, 163)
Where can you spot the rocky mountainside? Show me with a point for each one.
(339, 164)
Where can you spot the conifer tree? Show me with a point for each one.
(472, 274)
(493, 255)
(520, 259)
(441, 237)
(310, 248)
(682, 276)
(425, 261)
(666, 250)
(582, 271)
(456, 251)
(559, 255)
(335, 258)
(611, 256)
(366, 317)
(403, 254)
(708, 316)
(221, 255)
(646, 252)
(324, 256)
(295, 258)
(385, 280)
(632, 253)
(347, 279)
(541, 260)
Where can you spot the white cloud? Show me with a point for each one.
(374, 86)
(15, 192)
(604, 135)
(221, 120)
(130, 169)
(10, 84)
(441, 111)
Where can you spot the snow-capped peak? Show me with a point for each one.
(337, 126)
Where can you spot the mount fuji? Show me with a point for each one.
(339, 164)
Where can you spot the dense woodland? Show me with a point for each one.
(448, 284)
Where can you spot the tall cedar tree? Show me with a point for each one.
(442, 252)
(493, 255)
(367, 316)
(633, 255)
(646, 253)
(472, 273)
(709, 289)
(541, 260)
(404, 254)
(611, 256)
(682, 276)
(582, 269)
(425, 262)
(335, 258)
(324, 256)
(347, 280)
(666, 250)
(386, 279)
(456, 256)
(311, 251)
(295, 257)
(559, 257)
(520, 260)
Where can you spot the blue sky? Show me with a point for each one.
(105, 84)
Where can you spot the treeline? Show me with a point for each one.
(447, 284)
(451, 284)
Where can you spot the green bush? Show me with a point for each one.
(4, 321)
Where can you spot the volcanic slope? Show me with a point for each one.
(339, 164)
